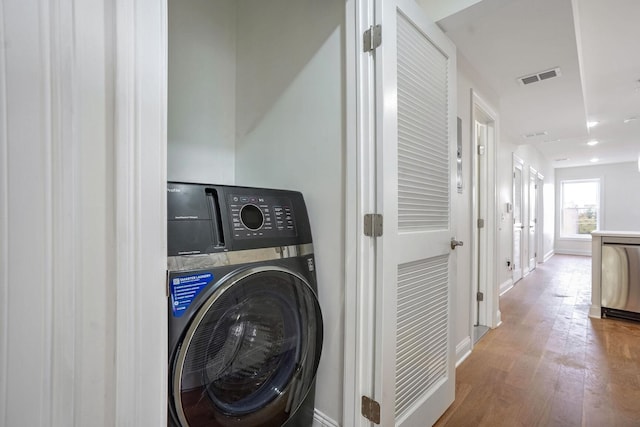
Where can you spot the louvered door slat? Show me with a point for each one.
(423, 154)
(421, 347)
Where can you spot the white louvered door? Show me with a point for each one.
(416, 119)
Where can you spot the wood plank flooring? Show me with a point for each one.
(549, 364)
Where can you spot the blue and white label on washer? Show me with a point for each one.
(184, 289)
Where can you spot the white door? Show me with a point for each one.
(517, 219)
(414, 372)
(533, 218)
(540, 219)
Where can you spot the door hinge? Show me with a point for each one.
(479, 297)
(480, 223)
(371, 410)
(481, 150)
(372, 38)
(373, 225)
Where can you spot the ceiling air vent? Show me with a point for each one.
(535, 134)
(537, 77)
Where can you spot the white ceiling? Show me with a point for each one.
(595, 43)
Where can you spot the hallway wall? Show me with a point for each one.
(532, 159)
(468, 80)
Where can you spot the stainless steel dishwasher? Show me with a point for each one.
(620, 280)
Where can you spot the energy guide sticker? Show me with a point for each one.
(184, 289)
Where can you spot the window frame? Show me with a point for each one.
(576, 236)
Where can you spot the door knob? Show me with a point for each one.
(455, 243)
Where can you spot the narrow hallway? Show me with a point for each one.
(549, 364)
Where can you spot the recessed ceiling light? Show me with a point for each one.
(592, 143)
(592, 124)
(630, 119)
(594, 160)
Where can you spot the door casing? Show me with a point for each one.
(517, 249)
(532, 210)
(483, 199)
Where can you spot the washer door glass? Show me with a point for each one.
(251, 352)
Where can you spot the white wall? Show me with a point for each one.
(620, 206)
(202, 83)
(504, 192)
(291, 135)
(439, 9)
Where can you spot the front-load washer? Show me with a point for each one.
(245, 326)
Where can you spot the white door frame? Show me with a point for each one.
(359, 324)
(517, 162)
(490, 315)
(139, 172)
(86, 121)
(540, 215)
(532, 241)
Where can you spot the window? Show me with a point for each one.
(580, 208)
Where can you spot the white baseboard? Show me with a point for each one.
(595, 312)
(463, 350)
(505, 286)
(573, 252)
(498, 318)
(548, 255)
(322, 420)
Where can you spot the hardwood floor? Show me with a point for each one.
(549, 364)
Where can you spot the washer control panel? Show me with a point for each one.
(261, 216)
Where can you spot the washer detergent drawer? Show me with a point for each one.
(621, 280)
